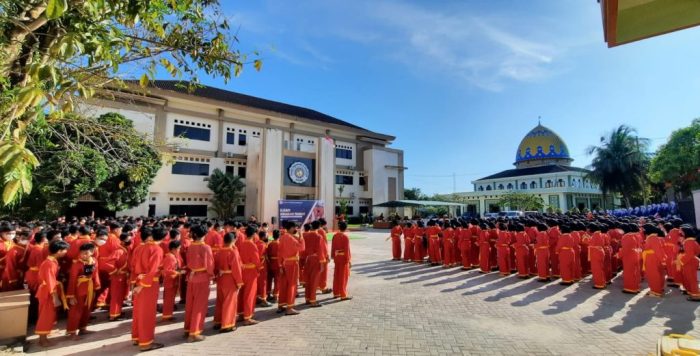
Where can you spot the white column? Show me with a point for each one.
(326, 177)
(271, 187)
(253, 178)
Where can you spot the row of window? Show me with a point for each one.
(202, 169)
(201, 134)
(192, 210)
(343, 153)
(350, 211)
(349, 180)
(533, 185)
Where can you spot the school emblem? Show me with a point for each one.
(298, 172)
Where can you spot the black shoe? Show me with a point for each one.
(217, 326)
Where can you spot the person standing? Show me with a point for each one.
(147, 262)
(567, 255)
(395, 237)
(340, 250)
(250, 266)
(630, 256)
(688, 261)
(291, 244)
(654, 260)
(596, 257)
(200, 262)
(172, 265)
(313, 250)
(50, 292)
(83, 282)
(408, 233)
(229, 280)
(273, 276)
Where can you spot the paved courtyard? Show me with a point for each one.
(409, 309)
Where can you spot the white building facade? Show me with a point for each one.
(281, 151)
(543, 168)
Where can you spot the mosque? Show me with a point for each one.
(542, 167)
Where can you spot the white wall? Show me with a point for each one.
(191, 121)
(378, 180)
(326, 177)
(343, 161)
(144, 122)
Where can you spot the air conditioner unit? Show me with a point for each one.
(229, 154)
(352, 195)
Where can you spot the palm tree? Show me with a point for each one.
(620, 163)
(228, 193)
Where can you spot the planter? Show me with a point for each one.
(14, 307)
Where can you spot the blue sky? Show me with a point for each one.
(459, 83)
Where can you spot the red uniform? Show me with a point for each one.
(313, 249)
(542, 255)
(323, 277)
(200, 262)
(289, 249)
(37, 254)
(615, 243)
(433, 244)
(554, 234)
(215, 240)
(118, 269)
(227, 267)
(340, 250)
(273, 276)
(418, 250)
(104, 253)
(608, 258)
(474, 245)
(408, 244)
(484, 251)
(464, 244)
(263, 269)
(146, 265)
(522, 253)
(654, 264)
(577, 255)
(583, 255)
(671, 248)
(185, 243)
(15, 265)
(250, 265)
(83, 282)
(171, 282)
(532, 259)
(689, 267)
(630, 255)
(50, 290)
(567, 258)
(5, 247)
(503, 252)
(396, 232)
(596, 259)
(448, 243)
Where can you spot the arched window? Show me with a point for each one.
(533, 185)
(561, 183)
(510, 186)
(523, 186)
(481, 188)
(488, 187)
(548, 184)
(500, 187)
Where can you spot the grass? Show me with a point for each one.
(329, 236)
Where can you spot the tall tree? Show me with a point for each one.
(677, 163)
(620, 163)
(104, 156)
(521, 201)
(54, 51)
(414, 194)
(228, 193)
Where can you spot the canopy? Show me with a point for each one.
(414, 203)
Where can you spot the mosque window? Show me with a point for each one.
(523, 186)
(510, 186)
(481, 188)
(561, 183)
(500, 187)
(533, 185)
(488, 187)
(548, 184)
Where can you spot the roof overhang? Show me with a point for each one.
(626, 21)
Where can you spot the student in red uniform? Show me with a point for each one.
(250, 266)
(83, 282)
(185, 242)
(448, 235)
(503, 253)
(50, 292)
(38, 252)
(172, 269)
(261, 243)
(323, 278)
(342, 258)
(433, 233)
(273, 276)
(484, 250)
(105, 252)
(395, 237)
(630, 252)
(688, 261)
(408, 233)
(146, 266)
(464, 245)
(291, 244)
(567, 255)
(672, 247)
(314, 254)
(596, 257)
(200, 262)
(7, 236)
(554, 232)
(118, 277)
(542, 255)
(654, 260)
(214, 238)
(15, 262)
(522, 251)
(229, 280)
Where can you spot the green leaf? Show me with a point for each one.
(10, 191)
(56, 8)
(257, 64)
(144, 80)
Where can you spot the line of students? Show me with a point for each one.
(569, 247)
(80, 269)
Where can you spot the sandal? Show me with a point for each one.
(152, 346)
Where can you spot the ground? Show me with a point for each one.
(409, 309)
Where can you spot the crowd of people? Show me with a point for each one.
(78, 265)
(553, 246)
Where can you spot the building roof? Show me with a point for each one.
(542, 144)
(518, 172)
(227, 96)
(414, 203)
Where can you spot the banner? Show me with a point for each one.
(300, 211)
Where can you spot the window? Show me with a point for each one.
(189, 210)
(241, 139)
(192, 133)
(523, 186)
(548, 184)
(481, 188)
(500, 187)
(560, 183)
(240, 210)
(230, 138)
(533, 185)
(488, 187)
(230, 170)
(241, 171)
(364, 210)
(341, 179)
(151, 210)
(348, 209)
(509, 186)
(191, 169)
(343, 153)
(363, 181)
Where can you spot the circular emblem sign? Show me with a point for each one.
(298, 173)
